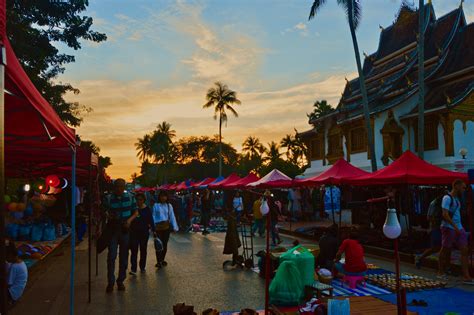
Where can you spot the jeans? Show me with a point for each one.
(138, 239)
(81, 230)
(118, 239)
(164, 236)
(258, 225)
(239, 215)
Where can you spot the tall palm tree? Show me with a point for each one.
(321, 108)
(288, 142)
(353, 11)
(252, 147)
(221, 98)
(421, 80)
(273, 152)
(143, 147)
(165, 128)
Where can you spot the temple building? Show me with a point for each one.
(391, 76)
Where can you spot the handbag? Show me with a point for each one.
(164, 225)
(158, 244)
(264, 208)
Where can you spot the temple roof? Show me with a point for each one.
(391, 72)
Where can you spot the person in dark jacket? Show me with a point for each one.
(328, 246)
(232, 240)
(206, 210)
(139, 233)
(274, 214)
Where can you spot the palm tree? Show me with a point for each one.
(221, 98)
(165, 128)
(143, 147)
(353, 11)
(321, 109)
(288, 142)
(252, 147)
(161, 143)
(273, 152)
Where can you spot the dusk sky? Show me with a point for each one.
(162, 56)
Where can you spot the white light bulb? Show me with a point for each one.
(27, 188)
(392, 228)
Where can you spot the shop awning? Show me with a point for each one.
(204, 182)
(274, 179)
(30, 121)
(241, 183)
(340, 171)
(410, 170)
(228, 180)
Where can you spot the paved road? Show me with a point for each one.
(194, 276)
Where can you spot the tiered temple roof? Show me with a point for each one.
(391, 73)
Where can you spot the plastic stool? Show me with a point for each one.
(353, 280)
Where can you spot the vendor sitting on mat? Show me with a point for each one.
(354, 256)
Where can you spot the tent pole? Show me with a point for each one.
(267, 267)
(89, 231)
(340, 216)
(3, 274)
(73, 229)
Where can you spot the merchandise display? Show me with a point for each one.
(408, 281)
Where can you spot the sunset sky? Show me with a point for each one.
(161, 57)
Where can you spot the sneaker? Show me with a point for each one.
(158, 265)
(142, 270)
(110, 288)
(120, 287)
(417, 262)
(132, 273)
(164, 264)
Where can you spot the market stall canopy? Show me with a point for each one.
(335, 175)
(30, 121)
(215, 181)
(410, 170)
(228, 180)
(241, 183)
(184, 185)
(274, 179)
(204, 182)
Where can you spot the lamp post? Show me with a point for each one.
(392, 230)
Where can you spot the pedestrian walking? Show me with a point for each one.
(140, 233)
(165, 222)
(238, 205)
(453, 233)
(206, 211)
(258, 224)
(120, 212)
(273, 217)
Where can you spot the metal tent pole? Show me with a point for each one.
(3, 274)
(73, 229)
(89, 231)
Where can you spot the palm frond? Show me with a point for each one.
(232, 110)
(317, 4)
(352, 7)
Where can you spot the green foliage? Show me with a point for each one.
(34, 28)
(321, 109)
(104, 161)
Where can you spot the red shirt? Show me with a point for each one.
(354, 254)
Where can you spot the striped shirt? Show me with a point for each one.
(120, 207)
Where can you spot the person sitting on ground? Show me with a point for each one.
(327, 248)
(17, 274)
(354, 256)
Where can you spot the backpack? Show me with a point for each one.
(435, 211)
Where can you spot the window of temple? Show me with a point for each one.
(358, 140)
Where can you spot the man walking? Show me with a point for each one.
(453, 232)
(121, 211)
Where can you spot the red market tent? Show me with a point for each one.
(204, 182)
(335, 175)
(410, 170)
(241, 183)
(184, 185)
(274, 179)
(229, 180)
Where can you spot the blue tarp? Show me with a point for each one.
(439, 301)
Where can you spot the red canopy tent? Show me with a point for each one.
(229, 180)
(241, 183)
(335, 175)
(183, 186)
(274, 179)
(408, 169)
(204, 182)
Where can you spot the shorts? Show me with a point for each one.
(435, 238)
(450, 238)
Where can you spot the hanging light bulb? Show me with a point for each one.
(27, 187)
(392, 228)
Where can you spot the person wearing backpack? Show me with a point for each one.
(435, 217)
(165, 222)
(453, 232)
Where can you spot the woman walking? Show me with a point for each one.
(273, 216)
(165, 222)
(238, 205)
(139, 233)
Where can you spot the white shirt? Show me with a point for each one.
(164, 212)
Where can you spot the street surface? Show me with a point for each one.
(194, 276)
